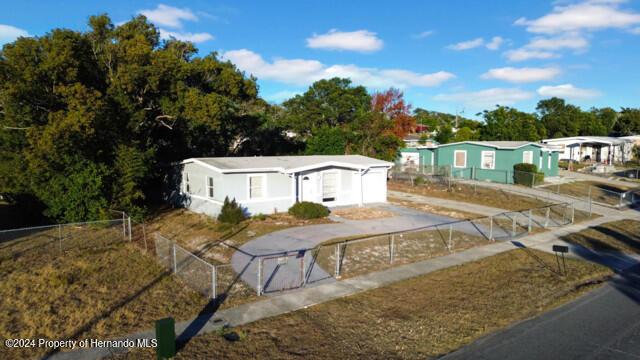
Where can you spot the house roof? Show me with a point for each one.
(287, 164)
(497, 144)
(588, 139)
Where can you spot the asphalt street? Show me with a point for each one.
(603, 324)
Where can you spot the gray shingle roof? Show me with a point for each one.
(288, 163)
(499, 144)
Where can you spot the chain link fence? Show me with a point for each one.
(63, 238)
(194, 271)
(447, 174)
(600, 195)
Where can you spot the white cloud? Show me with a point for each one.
(584, 16)
(571, 41)
(360, 40)
(495, 43)
(305, 72)
(635, 31)
(523, 54)
(487, 97)
(568, 91)
(282, 95)
(522, 75)
(466, 45)
(423, 34)
(9, 33)
(186, 36)
(169, 16)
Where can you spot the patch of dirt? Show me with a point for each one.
(456, 214)
(363, 213)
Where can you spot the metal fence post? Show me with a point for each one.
(129, 221)
(546, 218)
(573, 213)
(392, 249)
(175, 264)
(513, 227)
(124, 227)
(213, 282)
(60, 236)
(259, 287)
(337, 271)
(450, 245)
(529, 224)
(620, 202)
(491, 228)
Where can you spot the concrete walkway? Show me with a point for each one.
(309, 296)
(287, 262)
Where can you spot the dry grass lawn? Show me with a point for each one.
(372, 254)
(622, 235)
(419, 318)
(96, 286)
(432, 209)
(600, 192)
(362, 213)
(466, 193)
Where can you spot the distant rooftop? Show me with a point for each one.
(589, 139)
(287, 163)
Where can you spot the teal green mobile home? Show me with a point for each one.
(483, 160)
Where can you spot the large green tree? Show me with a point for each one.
(506, 123)
(332, 102)
(88, 120)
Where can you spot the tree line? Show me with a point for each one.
(91, 122)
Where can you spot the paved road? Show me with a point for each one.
(604, 324)
(279, 274)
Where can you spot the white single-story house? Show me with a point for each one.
(599, 149)
(270, 184)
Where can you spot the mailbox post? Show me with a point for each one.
(561, 249)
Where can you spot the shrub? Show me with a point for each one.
(419, 180)
(259, 217)
(522, 174)
(308, 210)
(231, 212)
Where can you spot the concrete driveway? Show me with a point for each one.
(281, 272)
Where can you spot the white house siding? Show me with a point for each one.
(278, 188)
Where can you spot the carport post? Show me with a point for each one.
(450, 245)
(529, 224)
(513, 227)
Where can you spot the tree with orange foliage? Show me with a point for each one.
(391, 103)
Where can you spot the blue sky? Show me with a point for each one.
(445, 55)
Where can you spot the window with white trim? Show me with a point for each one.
(256, 187)
(187, 186)
(460, 158)
(488, 160)
(527, 157)
(329, 186)
(210, 187)
(549, 160)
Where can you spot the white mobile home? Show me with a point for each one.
(598, 149)
(269, 184)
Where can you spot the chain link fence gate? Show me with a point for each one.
(281, 272)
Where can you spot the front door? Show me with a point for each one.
(308, 188)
